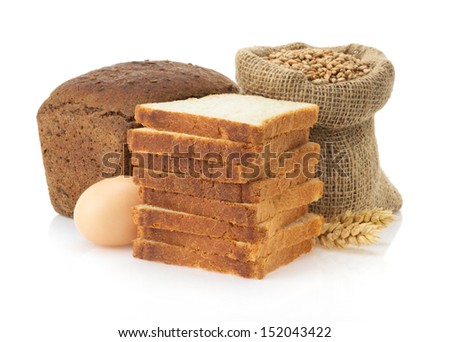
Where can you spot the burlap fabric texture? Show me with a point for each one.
(349, 164)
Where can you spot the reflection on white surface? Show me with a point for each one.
(104, 272)
(62, 229)
(73, 247)
(63, 234)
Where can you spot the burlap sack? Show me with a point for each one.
(349, 164)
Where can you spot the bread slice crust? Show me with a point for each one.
(176, 255)
(306, 227)
(243, 214)
(298, 117)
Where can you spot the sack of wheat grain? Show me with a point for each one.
(350, 84)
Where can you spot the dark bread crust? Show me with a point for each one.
(88, 117)
(121, 87)
(176, 255)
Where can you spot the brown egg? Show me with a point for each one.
(103, 212)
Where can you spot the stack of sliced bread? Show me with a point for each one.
(225, 182)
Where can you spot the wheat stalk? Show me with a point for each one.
(358, 228)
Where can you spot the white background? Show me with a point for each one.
(57, 286)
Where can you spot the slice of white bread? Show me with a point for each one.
(228, 181)
(149, 216)
(151, 140)
(243, 118)
(190, 179)
(242, 214)
(306, 227)
(176, 255)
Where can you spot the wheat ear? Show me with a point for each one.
(358, 228)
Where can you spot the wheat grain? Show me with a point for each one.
(321, 66)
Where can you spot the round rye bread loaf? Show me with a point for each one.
(83, 124)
